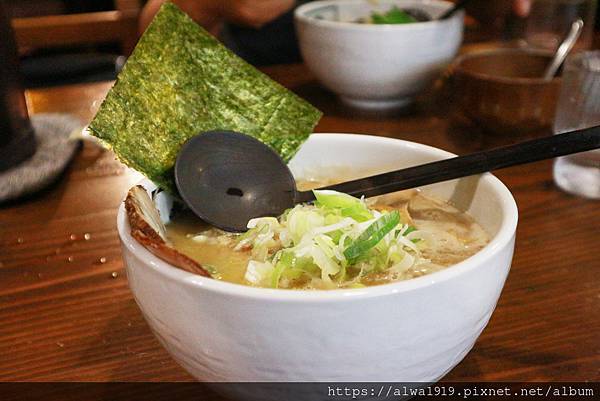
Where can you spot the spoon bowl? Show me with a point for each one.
(227, 178)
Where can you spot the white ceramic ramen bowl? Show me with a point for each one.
(415, 330)
(376, 66)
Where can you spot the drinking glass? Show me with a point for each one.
(550, 20)
(579, 107)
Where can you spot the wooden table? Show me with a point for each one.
(66, 312)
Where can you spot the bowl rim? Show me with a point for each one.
(504, 236)
(300, 15)
(457, 66)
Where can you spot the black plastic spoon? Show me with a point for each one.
(227, 178)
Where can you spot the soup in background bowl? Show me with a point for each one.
(407, 331)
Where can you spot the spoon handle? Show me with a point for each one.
(564, 49)
(463, 166)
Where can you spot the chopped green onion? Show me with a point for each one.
(211, 269)
(286, 261)
(333, 242)
(393, 16)
(372, 235)
(348, 205)
(409, 230)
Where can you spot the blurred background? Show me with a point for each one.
(72, 41)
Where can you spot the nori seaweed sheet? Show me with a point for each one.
(181, 81)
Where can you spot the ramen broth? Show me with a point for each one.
(450, 237)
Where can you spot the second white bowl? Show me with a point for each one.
(375, 66)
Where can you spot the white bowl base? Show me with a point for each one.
(376, 104)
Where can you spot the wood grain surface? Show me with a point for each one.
(66, 312)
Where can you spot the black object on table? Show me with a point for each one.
(17, 140)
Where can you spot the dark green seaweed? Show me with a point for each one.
(181, 81)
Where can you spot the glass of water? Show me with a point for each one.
(550, 20)
(579, 107)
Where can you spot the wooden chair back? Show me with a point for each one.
(119, 25)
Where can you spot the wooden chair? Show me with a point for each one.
(119, 25)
